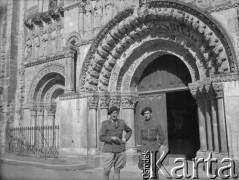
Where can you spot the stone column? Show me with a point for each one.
(40, 122)
(218, 89)
(69, 52)
(40, 115)
(33, 123)
(92, 124)
(51, 110)
(214, 121)
(128, 106)
(208, 117)
(201, 119)
(33, 109)
(104, 100)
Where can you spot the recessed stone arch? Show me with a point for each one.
(73, 38)
(46, 73)
(176, 20)
(53, 92)
(125, 68)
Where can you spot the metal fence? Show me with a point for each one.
(37, 141)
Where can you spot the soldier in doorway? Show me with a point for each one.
(114, 144)
(151, 137)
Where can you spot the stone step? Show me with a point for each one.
(59, 164)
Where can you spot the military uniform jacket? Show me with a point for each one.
(108, 130)
(151, 136)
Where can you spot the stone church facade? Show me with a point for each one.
(66, 62)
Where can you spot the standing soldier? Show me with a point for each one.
(114, 144)
(151, 136)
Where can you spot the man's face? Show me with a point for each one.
(114, 115)
(147, 115)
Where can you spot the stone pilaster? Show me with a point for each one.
(92, 124)
(201, 118)
(69, 53)
(128, 106)
(218, 89)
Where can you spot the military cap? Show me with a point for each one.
(113, 108)
(146, 109)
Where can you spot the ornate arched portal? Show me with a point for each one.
(46, 86)
(136, 36)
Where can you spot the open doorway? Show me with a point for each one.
(183, 133)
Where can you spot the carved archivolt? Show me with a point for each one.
(130, 66)
(45, 70)
(178, 21)
(49, 94)
(73, 38)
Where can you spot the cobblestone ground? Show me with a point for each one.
(16, 172)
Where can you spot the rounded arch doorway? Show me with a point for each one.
(163, 85)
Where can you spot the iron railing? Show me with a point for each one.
(37, 141)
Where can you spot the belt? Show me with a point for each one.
(149, 139)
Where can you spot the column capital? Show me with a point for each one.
(194, 89)
(69, 51)
(93, 101)
(51, 108)
(218, 89)
(104, 100)
(115, 99)
(128, 100)
(33, 107)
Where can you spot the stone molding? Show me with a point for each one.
(73, 36)
(69, 51)
(45, 17)
(205, 90)
(104, 100)
(129, 23)
(218, 89)
(93, 101)
(44, 60)
(50, 108)
(57, 68)
(234, 5)
(129, 100)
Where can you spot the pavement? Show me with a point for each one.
(22, 168)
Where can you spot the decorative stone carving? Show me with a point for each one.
(29, 24)
(41, 73)
(51, 108)
(46, 18)
(28, 48)
(93, 101)
(69, 51)
(128, 100)
(37, 21)
(104, 100)
(115, 99)
(73, 38)
(52, 3)
(171, 10)
(218, 89)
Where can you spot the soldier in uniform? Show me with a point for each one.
(114, 144)
(151, 135)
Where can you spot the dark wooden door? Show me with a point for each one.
(166, 73)
(157, 101)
